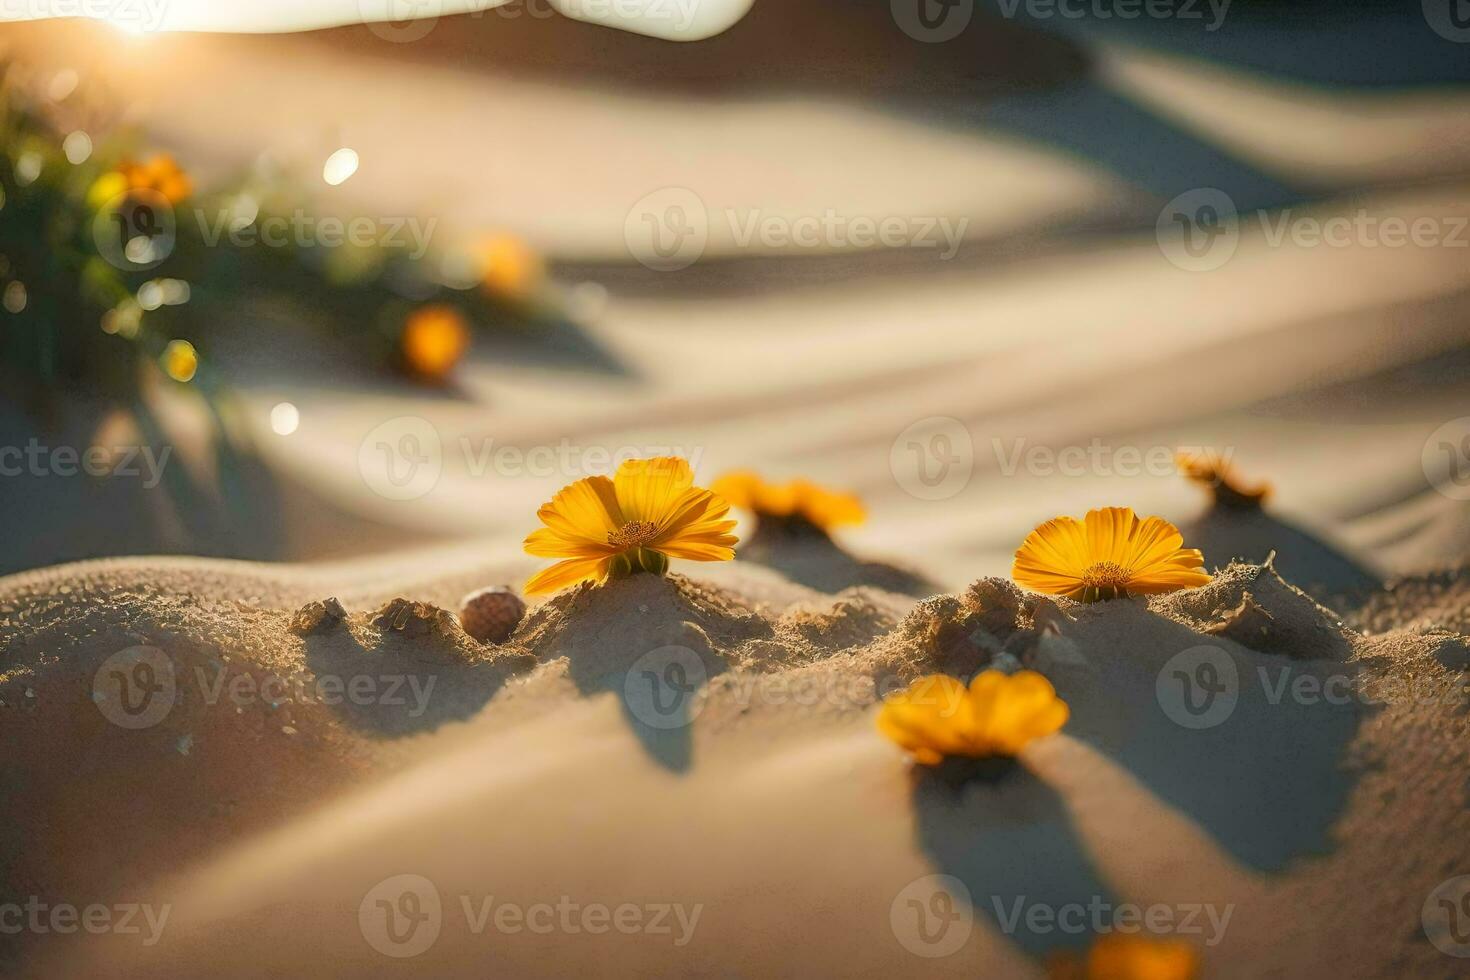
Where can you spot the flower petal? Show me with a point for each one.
(586, 510)
(649, 489)
(565, 573)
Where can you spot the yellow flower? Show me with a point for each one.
(796, 498)
(1216, 472)
(649, 512)
(434, 339)
(1111, 553)
(996, 715)
(1120, 956)
(509, 268)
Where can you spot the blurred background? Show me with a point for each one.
(385, 287)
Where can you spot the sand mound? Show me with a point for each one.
(605, 629)
(1257, 608)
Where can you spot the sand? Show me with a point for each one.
(535, 770)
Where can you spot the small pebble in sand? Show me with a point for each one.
(316, 616)
(492, 615)
(417, 619)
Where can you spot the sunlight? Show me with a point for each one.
(680, 20)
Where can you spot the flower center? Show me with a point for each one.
(1105, 575)
(633, 534)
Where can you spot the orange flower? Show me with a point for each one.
(1214, 471)
(434, 338)
(1111, 553)
(509, 268)
(161, 174)
(996, 715)
(815, 504)
(180, 360)
(649, 512)
(1119, 956)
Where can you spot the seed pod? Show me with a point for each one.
(492, 615)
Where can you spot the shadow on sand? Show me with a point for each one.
(1011, 841)
(807, 556)
(1313, 564)
(1248, 746)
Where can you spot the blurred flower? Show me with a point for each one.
(1216, 472)
(1119, 956)
(649, 512)
(797, 498)
(1112, 553)
(161, 175)
(937, 716)
(509, 268)
(180, 360)
(434, 338)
